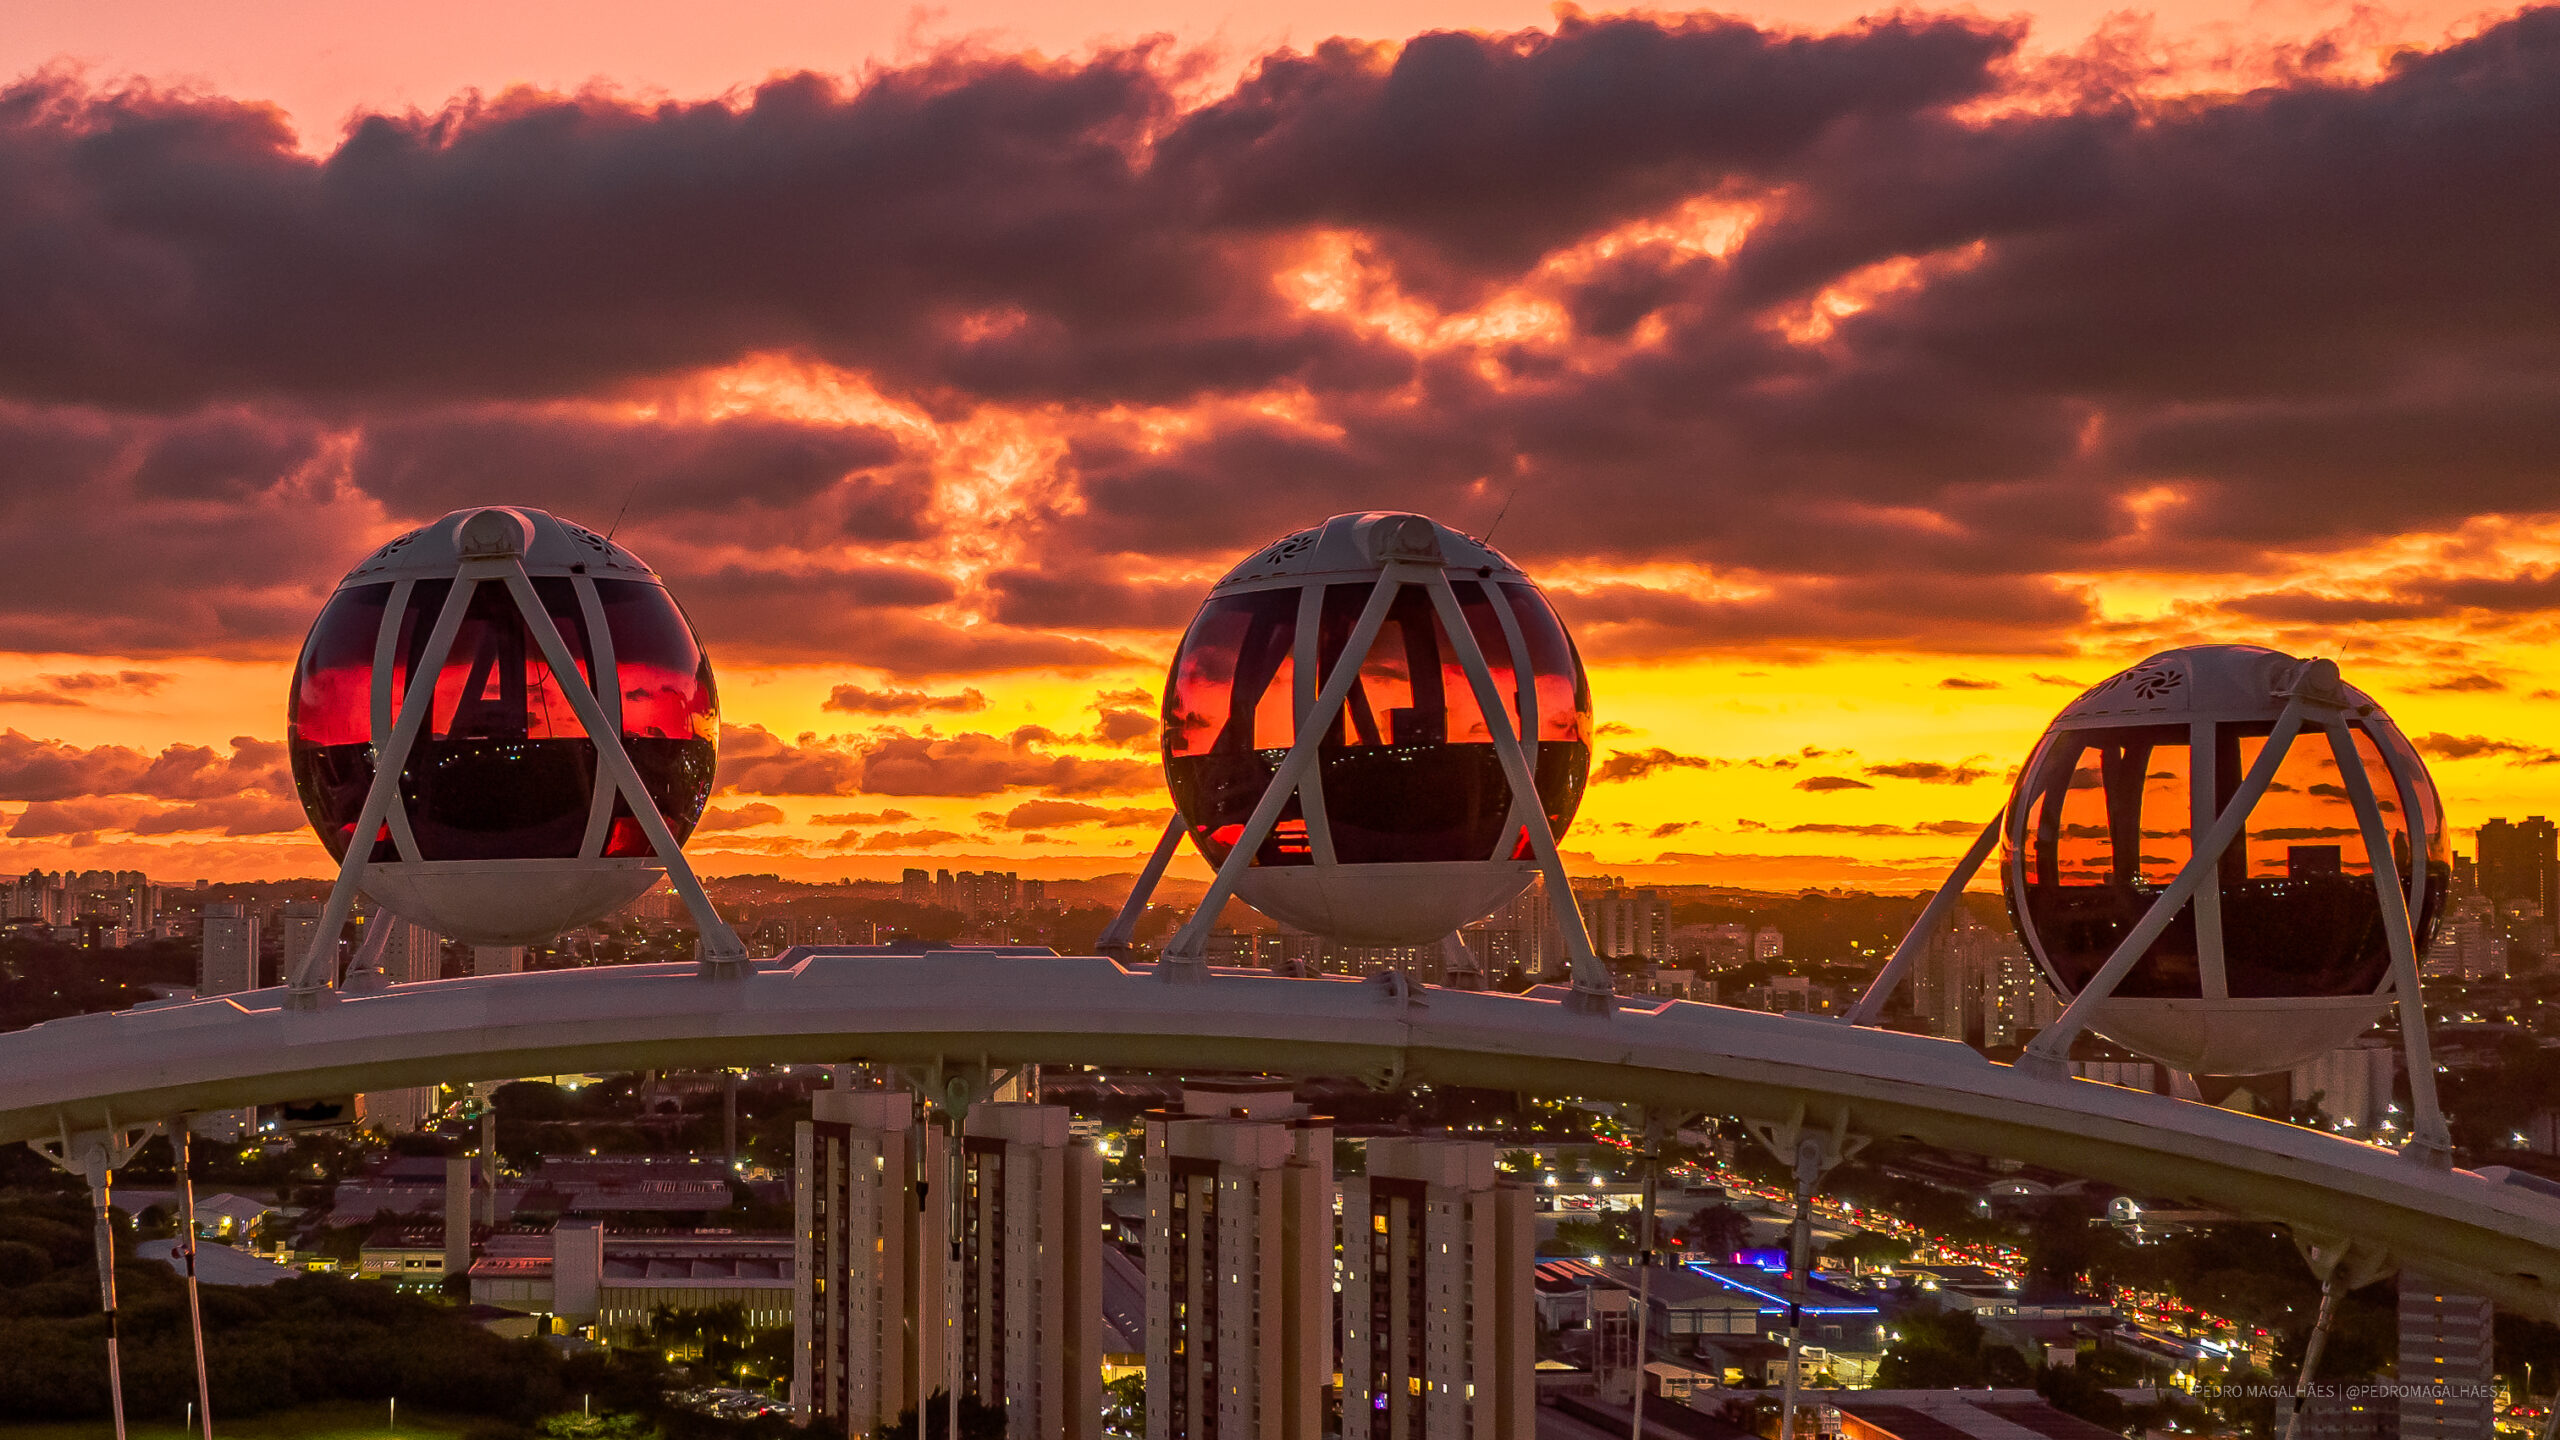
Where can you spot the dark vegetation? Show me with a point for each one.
(44, 980)
(309, 1339)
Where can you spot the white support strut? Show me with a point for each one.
(1590, 977)
(2429, 1140)
(1915, 942)
(722, 953)
(1123, 929)
(311, 975)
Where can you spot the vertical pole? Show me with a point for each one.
(1799, 1257)
(1123, 928)
(924, 1202)
(100, 1165)
(311, 972)
(2050, 1054)
(487, 1201)
(1591, 981)
(1644, 1271)
(1915, 942)
(180, 1146)
(721, 951)
(2429, 1140)
(1188, 943)
(729, 1118)
(955, 1302)
(2311, 1352)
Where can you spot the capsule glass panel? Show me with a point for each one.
(2107, 819)
(1229, 710)
(503, 768)
(1407, 769)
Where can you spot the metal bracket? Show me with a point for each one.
(1396, 988)
(1810, 1152)
(94, 1154)
(1786, 1139)
(2355, 1263)
(954, 1087)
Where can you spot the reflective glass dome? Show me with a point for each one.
(1406, 774)
(503, 769)
(2285, 948)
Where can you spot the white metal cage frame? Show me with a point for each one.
(2314, 700)
(1401, 551)
(493, 544)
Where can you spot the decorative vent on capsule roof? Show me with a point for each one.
(1286, 549)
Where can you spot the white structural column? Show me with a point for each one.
(1915, 942)
(2050, 1054)
(1645, 1259)
(492, 552)
(1182, 956)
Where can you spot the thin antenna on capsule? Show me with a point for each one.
(1487, 537)
(636, 482)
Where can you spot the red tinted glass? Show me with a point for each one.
(494, 683)
(1234, 661)
(333, 685)
(667, 691)
(1564, 693)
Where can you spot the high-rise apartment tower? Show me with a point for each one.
(2447, 1374)
(1030, 1284)
(1239, 1265)
(868, 1315)
(1437, 1333)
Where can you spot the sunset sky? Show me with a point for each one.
(1859, 387)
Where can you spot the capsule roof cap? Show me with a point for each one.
(548, 545)
(2212, 682)
(1364, 542)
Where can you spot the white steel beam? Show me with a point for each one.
(77, 1075)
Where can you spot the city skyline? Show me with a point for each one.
(940, 538)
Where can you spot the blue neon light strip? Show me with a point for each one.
(1778, 1300)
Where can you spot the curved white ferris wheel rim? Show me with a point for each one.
(94, 1072)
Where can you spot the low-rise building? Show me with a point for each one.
(1957, 1415)
(617, 1280)
(409, 1255)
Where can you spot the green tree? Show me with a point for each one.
(1868, 1248)
(978, 1420)
(1716, 1229)
(1592, 1235)
(1945, 1349)
(578, 1425)
(1124, 1405)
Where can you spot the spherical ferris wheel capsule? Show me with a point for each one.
(1406, 828)
(2282, 954)
(505, 830)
